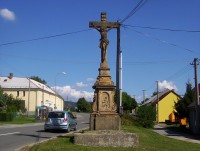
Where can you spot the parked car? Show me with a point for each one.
(60, 120)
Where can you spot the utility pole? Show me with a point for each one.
(157, 113)
(119, 75)
(197, 104)
(144, 95)
(196, 63)
(29, 89)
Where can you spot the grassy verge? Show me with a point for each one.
(152, 141)
(149, 141)
(20, 120)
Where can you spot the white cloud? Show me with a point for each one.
(89, 82)
(81, 84)
(166, 84)
(7, 14)
(73, 94)
(90, 79)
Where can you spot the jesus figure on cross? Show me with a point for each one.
(103, 27)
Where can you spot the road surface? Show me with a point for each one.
(13, 137)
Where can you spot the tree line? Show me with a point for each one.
(128, 104)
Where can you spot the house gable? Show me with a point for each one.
(166, 106)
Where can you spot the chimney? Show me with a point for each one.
(10, 76)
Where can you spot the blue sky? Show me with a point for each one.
(148, 54)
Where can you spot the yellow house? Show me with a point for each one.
(34, 93)
(164, 105)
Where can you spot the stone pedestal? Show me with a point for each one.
(104, 122)
(108, 138)
(104, 107)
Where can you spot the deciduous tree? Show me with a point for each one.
(128, 102)
(83, 105)
(38, 79)
(182, 105)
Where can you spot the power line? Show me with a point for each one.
(54, 61)
(153, 62)
(126, 63)
(166, 29)
(134, 10)
(176, 75)
(180, 73)
(163, 41)
(46, 37)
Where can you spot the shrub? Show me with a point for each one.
(11, 108)
(127, 120)
(130, 120)
(146, 116)
(7, 116)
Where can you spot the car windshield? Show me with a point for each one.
(56, 115)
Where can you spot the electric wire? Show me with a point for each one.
(176, 75)
(163, 41)
(125, 63)
(180, 72)
(153, 62)
(134, 10)
(166, 29)
(46, 37)
(54, 61)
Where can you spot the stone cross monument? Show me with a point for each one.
(104, 114)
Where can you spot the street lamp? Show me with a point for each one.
(55, 107)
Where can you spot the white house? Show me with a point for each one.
(34, 93)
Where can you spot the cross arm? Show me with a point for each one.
(102, 24)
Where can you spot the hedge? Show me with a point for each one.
(7, 116)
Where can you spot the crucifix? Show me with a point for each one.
(103, 27)
(104, 106)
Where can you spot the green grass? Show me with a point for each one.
(148, 141)
(151, 141)
(20, 120)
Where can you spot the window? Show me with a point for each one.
(17, 93)
(56, 115)
(24, 93)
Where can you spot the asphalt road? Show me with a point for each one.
(13, 137)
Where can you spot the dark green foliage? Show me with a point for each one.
(128, 120)
(146, 116)
(128, 102)
(182, 105)
(36, 78)
(69, 105)
(2, 99)
(7, 116)
(83, 105)
(11, 108)
(10, 104)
